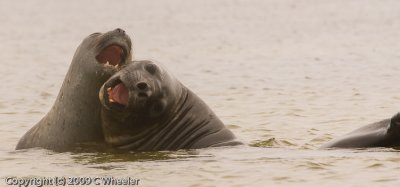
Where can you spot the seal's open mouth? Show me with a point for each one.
(118, 94)
(112, 55)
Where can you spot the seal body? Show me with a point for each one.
(145, 109)
(75, 115)
(385, 133)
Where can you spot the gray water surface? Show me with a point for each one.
(285, 76)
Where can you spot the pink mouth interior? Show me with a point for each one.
(111, 54)
(119, 94)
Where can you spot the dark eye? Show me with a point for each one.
(151, 68)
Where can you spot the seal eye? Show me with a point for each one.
(151, 68)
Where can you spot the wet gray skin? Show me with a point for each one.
(146, 109)
(75, 115)
(385, 133)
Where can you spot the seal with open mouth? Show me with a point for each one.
(146, 109)
(75, 115)
(385, 133)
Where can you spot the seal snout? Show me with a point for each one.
(143, 90)
(111, 49)
(119, 30)
(118, 94)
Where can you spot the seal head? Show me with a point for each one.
(146, 108)
(75, 115)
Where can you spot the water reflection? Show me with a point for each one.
(100, 153)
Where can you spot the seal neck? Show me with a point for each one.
(189, 122)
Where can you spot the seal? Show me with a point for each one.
(146, 109)
(385, 133)
(75, 115)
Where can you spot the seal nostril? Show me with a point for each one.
(142, 85)
(120, 30)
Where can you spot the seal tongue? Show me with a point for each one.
(118, 94)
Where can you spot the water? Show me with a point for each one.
(285, 76)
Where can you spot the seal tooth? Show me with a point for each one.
(117, 65)
(111, 100)
(109, 89)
